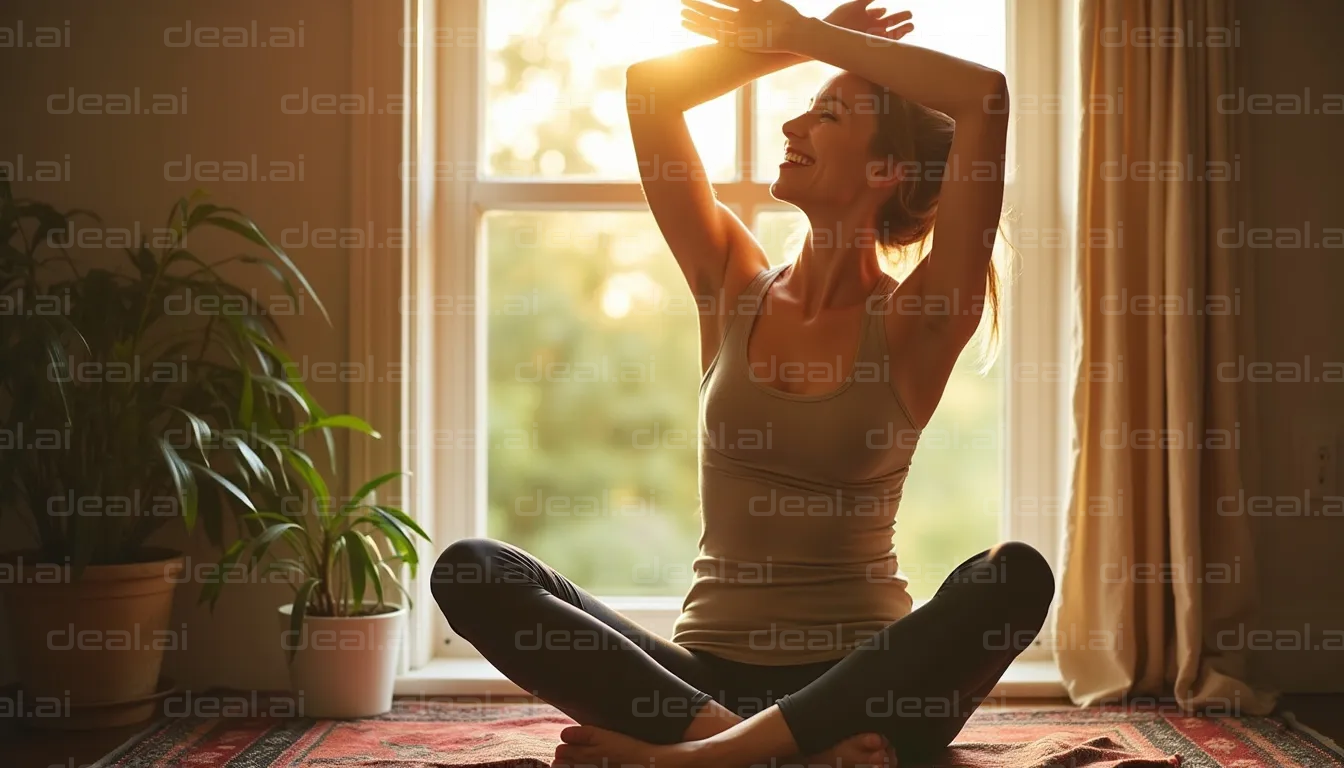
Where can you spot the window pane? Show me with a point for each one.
(971, 29)
(592, 397)
(951, 506)
(555, 88)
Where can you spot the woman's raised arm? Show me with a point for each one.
(970, 199)
(703, 234)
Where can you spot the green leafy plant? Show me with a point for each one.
(202, 414)
(334, 551)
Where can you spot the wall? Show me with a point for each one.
(1296, 174)
(117, 168)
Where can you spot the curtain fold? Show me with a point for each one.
(1158, 585)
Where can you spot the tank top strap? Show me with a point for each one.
(751, 300)
(761, 283)
(877, 309)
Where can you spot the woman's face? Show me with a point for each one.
(827, 159)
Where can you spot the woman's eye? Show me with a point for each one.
(827, 115)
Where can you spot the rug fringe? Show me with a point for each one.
(1298, 725)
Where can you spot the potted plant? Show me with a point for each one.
(124, 406)
(341, 633)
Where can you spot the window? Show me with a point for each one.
(579, 369)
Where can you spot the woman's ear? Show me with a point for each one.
(885, 173)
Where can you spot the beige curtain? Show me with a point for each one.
(1158, 588)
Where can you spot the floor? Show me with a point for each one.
(22, 748)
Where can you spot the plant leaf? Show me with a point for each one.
(254, 461)
(396, 581)
(199, 428)
(225, 483)
(369, 487)
(397, 537)
(341, 421)
(404, 519)
(248, 230)
(377, 559)
(264, 541)
(304, 466)
(358, 561)
(298, 613)
(183, 480)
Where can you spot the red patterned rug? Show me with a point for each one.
(245, 731)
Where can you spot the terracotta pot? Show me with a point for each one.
(95, 643)
(344, 667)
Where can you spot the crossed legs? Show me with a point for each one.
(916, 682)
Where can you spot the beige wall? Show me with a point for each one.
(1296, 171)
(117, 168)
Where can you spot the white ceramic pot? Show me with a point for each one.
(344, 667)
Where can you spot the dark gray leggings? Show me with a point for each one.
(916, 682)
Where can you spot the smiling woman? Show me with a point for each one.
(844, 165)
(592, 341)
(594, 291)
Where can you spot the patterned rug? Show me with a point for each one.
(430, 733)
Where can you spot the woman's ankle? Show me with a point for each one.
(711, 720)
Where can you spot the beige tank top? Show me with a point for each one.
(798, 497)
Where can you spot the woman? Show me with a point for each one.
(797, 636)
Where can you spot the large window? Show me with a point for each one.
(586, 351)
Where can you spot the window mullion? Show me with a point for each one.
(746, 132)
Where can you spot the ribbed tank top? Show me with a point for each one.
(798, 498)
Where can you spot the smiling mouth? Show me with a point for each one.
(796, 160)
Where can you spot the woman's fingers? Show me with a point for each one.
(701, 24)
(708, 10)
(896, 33)
(898, 18)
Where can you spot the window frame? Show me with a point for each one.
(445, 352)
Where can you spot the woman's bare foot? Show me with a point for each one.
(587, 746)
(864, 749)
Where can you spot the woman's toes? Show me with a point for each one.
(577, 734)
(872, 741)
(567, 756)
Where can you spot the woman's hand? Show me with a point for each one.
(871, 21)
(765, 26)
(760, 26)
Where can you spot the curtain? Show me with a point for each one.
(1158, 586)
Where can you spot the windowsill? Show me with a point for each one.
(476, 677)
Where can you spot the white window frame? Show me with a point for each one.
(441, 393)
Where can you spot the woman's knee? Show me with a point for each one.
(460, 571)
(1028, 582)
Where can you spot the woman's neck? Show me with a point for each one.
(838, 267)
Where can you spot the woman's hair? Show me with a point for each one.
(918, 141)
